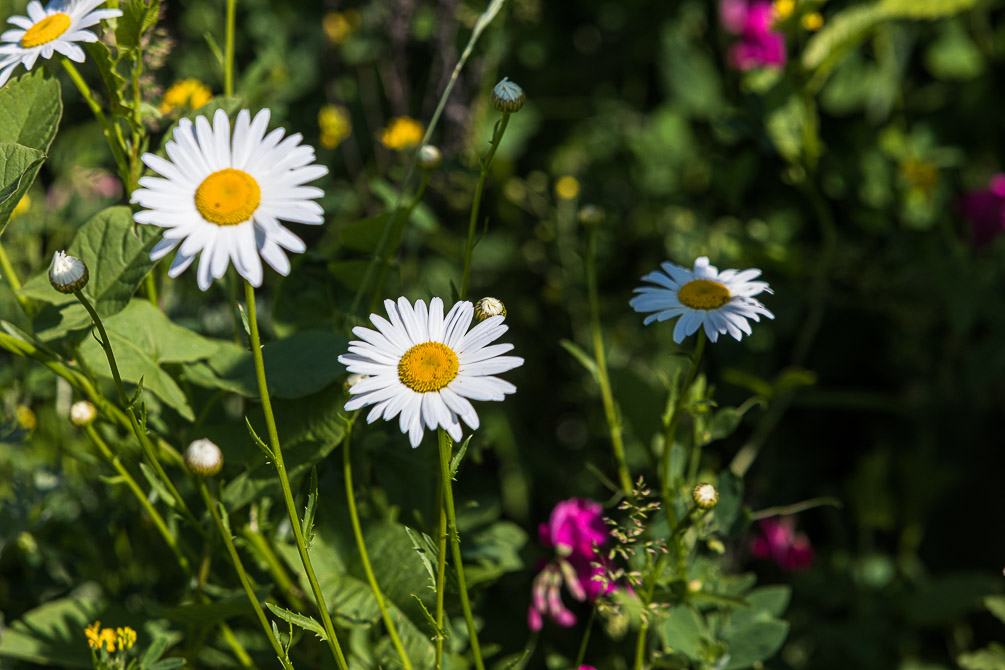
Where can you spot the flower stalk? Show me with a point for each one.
(671, 420)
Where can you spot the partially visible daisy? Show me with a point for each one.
(720, 301)
(224, 198)
(54, 29)
(426, 366)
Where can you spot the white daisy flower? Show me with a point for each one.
(719, 301)
(54, 29)
(425, 366)
(224, 199)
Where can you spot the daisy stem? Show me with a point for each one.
(228, 71)
(357, 531)
(284, 480)
(242, 574)
(441, 572)
(155, 516)
(469, 246)
(670, 426)
(113, 143)
(446, 449)
(15, 282)
(144, 440)
(603, 378)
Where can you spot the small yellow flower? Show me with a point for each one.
(920, 174)
(93, 633)
(813, 21)
(23, 205)
(783, 9)
(190, 93)
(567, 188)
(25, 417)
(339, 26)
(336, 125)
(403, 132)
(126, 637)
(107, 639)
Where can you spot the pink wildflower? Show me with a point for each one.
(575, 526)
(986, 210)
(587, 667)
(780, 543)
(759, 45)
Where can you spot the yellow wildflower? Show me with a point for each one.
(190, 93)
(336, 125)
(339, 26)
(107, 639)
(567, 188)
(813, 21)
(126, 637)
(783, 9)
(23, 205)
(25, 417)
(403, 132)
(93, 633)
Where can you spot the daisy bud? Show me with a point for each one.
(429, 157)
(67, 274)
(705, 496)
(82, 413)
(203, 458)
(487, 307)
(591, 215)
(507, 96)
(354, 379)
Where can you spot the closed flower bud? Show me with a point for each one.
(82, 413)
(67, 274)
(203, 458)
(354, 379)
(591, 215)
(705, 496)
(487, 307)
(429, 157)
(507, 96)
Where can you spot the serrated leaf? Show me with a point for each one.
(312, 506)
(40, 635)
(455, 462)
(137, 17)
(305, 622)
(101, 56)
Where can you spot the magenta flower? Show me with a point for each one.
(587, 667)
(759, 45)
(575, 526)
(986, 210)
(779, 542)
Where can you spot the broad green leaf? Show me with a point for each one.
(305, 622)
(755, 643)
(295, 366)
(765, 603)
(30, 109)
(18, 166)
(682, 631)
(137, 17)
(53, 634)
(117, 255)
(844, 31)
(989, 658)
(926, 9)
(996, 605)
(364, 235)
(143, 339)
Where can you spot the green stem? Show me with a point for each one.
(150, 284)
(581, 655)
(398, 231)
(141, 497)
(670, 425)
(258, 543)
(606, 395)
(228, 70)
(441, 572)
(106, 127)
(236, 646)
(15, 282)
(235, 559)
(446, 448)
(284, 480)
(469, 246)
(144, 440)
(357, 531)
(640, 645)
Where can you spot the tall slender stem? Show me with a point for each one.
(106, 127)
(399, 229)
(357, 531)
(469, 245)
(284, 480)
(670, 427)
(242, 574)
(446, 448)
(144, 440)
(15, 282)
(603, 378)
(141, 497)
(441, 571)
(257, 543)
(228, 67)
(586, 637)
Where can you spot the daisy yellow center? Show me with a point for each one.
(427, 367)
(228, 197)
(45, 30)
(703, 294)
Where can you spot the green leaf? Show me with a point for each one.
(312, 505)
(157, 485)
(137, 17)
(844, 31)
(989, 658)
(117, 256)
(755, 643)
(730, 489)
(167, 664)
(996, 605)
(305, 622)
(584, 358)
(926, 9)
(143, 339)
(682, 631)
(155, 650)
(101, 56)
(53, 634)
(364, 235)
(18, 166)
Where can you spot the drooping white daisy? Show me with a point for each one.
(53, 29)
(425, 366)
(224, 199)
(720, 301)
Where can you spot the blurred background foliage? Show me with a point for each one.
(840, 176)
